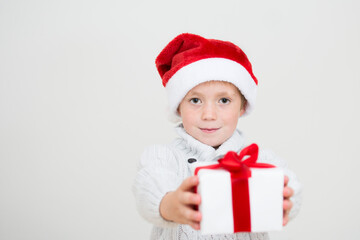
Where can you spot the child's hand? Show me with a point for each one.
(287, 204)
(178, 206)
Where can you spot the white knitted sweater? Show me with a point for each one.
(162, 168)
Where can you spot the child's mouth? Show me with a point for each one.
(209, 130)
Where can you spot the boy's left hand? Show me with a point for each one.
(287, 204)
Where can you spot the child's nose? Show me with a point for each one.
(209, 112)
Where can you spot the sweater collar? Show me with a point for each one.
(205, 152)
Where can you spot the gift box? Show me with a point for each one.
(240, 195)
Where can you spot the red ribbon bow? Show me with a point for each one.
(238, 163)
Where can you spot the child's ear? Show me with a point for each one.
(242, 111)
(178, 111)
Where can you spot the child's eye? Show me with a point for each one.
(195, 100)
(224, 100)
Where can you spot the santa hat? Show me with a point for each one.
(189, 60)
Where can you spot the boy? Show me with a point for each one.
(210, 85)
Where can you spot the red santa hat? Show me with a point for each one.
(189, 60)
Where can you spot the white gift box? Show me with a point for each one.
(265, 193)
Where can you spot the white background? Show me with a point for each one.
(80, 98)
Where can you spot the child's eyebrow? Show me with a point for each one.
(194, 93)
(226, 93)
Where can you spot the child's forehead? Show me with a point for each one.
(214, 85)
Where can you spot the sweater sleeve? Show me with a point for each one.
(157, 174)
(269, 157)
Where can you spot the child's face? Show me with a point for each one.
(210, 112)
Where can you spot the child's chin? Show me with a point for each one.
(214, 144)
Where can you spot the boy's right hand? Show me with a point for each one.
(178, 206)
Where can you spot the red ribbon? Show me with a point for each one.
(239, 167)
